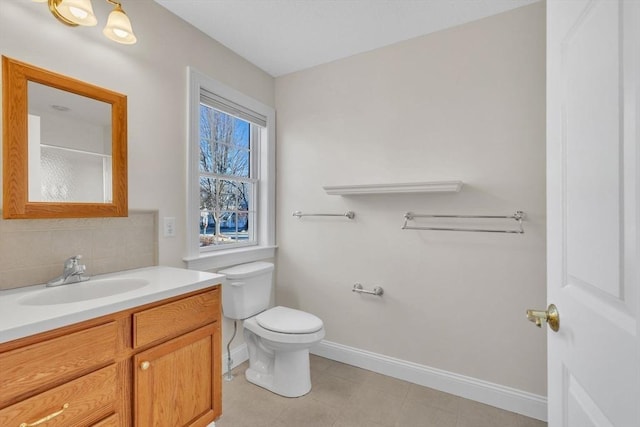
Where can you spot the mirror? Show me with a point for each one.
(64, 146)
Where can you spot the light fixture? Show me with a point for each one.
(118, 26)
(73, 12)
(80, 12)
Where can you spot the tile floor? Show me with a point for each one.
(346, 396)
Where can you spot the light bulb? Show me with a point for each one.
(79, 12)
(120, 33)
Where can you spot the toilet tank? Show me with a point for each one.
(246, 290)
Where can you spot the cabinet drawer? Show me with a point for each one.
(77, 403)
(172, 319)
(28, 370)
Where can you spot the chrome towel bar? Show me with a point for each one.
(518, 217)
(378, 291)
(348, 214)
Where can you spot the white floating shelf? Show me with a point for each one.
(409, 187)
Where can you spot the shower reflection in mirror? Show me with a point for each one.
(69, 147)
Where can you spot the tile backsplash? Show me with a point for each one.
(33, 251)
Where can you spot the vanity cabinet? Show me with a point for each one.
(154, 365)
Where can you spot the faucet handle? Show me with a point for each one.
(72, 261)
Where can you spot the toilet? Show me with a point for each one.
(278, 338)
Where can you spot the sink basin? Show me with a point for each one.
(83, 291)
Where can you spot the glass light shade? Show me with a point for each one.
(77, 11)
(118, 27)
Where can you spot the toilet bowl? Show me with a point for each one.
(278, 339)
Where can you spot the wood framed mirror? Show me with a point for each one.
(64, 146)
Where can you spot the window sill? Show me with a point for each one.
(225, 258)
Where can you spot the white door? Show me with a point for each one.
(593, 134)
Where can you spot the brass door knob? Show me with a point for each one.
(550, 316)
(145, 365)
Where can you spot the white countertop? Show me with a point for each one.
(18, 320)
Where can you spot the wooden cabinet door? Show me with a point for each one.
(178, 383)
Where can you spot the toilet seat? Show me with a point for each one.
(288, 321)
(251, 324)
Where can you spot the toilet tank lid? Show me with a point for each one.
(289, 321)
(243, 271)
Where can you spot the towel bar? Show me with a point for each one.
(348, 214)
(518, 216)
(378, 291)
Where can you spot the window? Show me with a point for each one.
(231, 176)
(227, 178)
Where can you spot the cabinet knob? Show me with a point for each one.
(145, 365)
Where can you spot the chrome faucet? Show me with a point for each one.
(72, 272)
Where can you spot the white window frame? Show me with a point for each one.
(265, 213)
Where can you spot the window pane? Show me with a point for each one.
(233, 195)
(224, 143)
(234, 227)
(206, 121)
(221, 127)
(241, 133)
(206, 157)
(230, 160)
(225, 215)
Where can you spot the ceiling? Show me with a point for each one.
(284, 36)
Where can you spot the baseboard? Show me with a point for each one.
(507, 398)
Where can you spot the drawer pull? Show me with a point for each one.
(145, 365)
(47, 418)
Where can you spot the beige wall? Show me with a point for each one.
(462, 104)
(153, 75)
